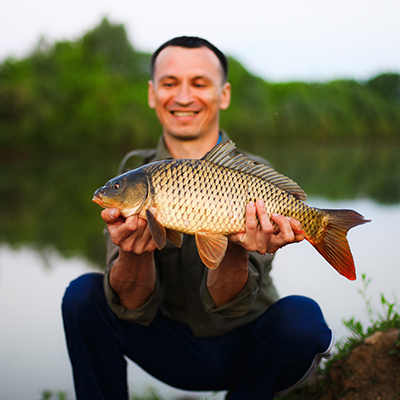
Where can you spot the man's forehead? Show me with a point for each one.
(174, 60)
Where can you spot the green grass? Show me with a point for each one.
(51, 395)
(149, 394)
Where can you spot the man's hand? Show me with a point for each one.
(266, 238)
(131, 234)
(132, 275)
(225, 282)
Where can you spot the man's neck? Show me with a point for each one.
(190, 149)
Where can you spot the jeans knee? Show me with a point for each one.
(80, 293)
(301, 321)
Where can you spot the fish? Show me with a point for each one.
(207, 198)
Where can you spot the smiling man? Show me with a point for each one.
(193, 328)
(187, 90)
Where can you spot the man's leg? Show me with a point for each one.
(98, 341)
(256, 360)
(286, 342)
(95, 351)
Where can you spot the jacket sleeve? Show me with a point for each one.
(144, 314)
(258, 288)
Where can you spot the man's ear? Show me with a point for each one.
(226, 96)
(151, 96)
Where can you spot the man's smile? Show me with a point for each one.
(182, 114)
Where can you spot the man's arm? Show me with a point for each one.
(133, 275)
(226, 282)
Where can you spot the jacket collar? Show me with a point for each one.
(162, 152)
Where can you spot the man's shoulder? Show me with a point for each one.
(136, 158)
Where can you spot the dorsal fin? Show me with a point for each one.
(222, 155)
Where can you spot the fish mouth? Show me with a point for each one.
(98, 200)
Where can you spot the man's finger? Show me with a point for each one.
(263, 217)
(251, 222)
(110, 215)
(297, 230)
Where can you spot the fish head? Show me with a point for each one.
(127, 192)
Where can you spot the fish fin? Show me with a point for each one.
(223, 155)
(334, 246)
(211, 248)
(175, 237)
(157, 231)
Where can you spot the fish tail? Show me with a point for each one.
(334, 246)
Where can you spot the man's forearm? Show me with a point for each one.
(133, 278)
(226, 282)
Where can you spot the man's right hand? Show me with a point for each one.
(132, 275)
(131, 234)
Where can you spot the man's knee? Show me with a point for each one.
(298, 312)
(81, 293)
(302, 324)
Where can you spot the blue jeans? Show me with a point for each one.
(251, 362)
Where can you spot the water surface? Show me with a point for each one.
(33, 353)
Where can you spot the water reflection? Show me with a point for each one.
(33, 351)
(46, 201)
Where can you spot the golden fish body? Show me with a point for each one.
(208, 197)
(198, 196)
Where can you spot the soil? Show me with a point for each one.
(370, 372)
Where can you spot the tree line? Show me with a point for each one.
(90, 95)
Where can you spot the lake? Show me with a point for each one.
(33, 353)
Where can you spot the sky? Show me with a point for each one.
(280, 40)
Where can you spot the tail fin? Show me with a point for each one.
(334, 246)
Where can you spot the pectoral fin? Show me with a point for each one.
(211, 248)
(157, 231)
(175, 237)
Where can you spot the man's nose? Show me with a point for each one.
(184, 95)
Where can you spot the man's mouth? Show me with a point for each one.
(183, 114)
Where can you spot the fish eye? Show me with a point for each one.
(116, 185)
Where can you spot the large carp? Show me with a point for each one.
(208, 197)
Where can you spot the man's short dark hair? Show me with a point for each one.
(191, 42)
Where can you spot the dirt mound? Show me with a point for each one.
(370, 372)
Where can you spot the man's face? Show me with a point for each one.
(187, 92)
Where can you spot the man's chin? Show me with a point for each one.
(185, 136)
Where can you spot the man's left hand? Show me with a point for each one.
(261, 236)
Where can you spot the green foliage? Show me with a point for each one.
(92, 94)
(149, 394)
(51, 395)
(88, 95)
(387, 85)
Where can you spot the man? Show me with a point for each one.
(193, 328)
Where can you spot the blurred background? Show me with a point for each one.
(316, 90)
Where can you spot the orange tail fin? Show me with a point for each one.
(334, 246)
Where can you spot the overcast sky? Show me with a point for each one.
(280, 40)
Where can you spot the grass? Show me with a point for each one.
(389, 318)
(51, 395)
(149, 394)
